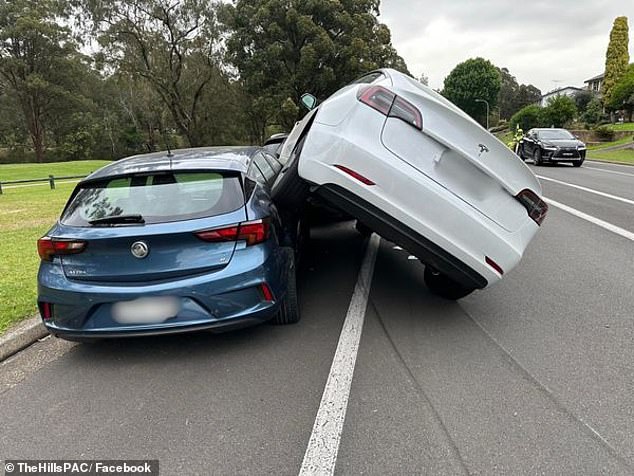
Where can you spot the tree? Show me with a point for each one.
(527, 94)
(175, 47)
(508, 95)
(473, 79)
(424, 79)
(622, 96)
(527, 118)
(617, 57)
(593, 112)
(513, 96)
(38, 63)
(582, 99)
(283, 49)
(560, 110)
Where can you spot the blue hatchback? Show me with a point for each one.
(169, 242)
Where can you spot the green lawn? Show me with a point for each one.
(626, 126)
(605, 145)
(58, 169)
(26, 213)
(624, 156)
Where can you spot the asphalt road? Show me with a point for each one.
(534, 375)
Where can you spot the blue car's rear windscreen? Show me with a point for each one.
(155, 198)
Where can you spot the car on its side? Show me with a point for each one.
(413, 167)
(552, 146)
(171, 242)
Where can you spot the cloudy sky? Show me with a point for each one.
(547, 43)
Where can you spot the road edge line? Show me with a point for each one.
(21, 336)
(321, 453)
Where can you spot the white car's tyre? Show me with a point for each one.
(364, 230)
(443, 286)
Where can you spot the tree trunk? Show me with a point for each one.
(38, 146)
(36, 131)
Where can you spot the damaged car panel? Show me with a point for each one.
(417, 170)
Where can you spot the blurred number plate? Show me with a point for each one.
(568, 154)
(150, 310)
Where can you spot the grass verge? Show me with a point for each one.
(27, 213)
(622, 156)
(626, 126)
(606, 145)
(57, 169)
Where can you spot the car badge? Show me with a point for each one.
(139, 249)
(483, 148)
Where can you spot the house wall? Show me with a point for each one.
(567, 92)
(595, 86)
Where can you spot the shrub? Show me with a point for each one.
(594, 112)
(560, 110)
(604, 133)
(527, 118)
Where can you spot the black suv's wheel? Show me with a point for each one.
(289, 307)
(443, 286)
(537, 156)
(577, 164)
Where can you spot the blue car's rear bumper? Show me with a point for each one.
(221, 300)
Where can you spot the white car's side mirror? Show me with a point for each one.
(308, 101)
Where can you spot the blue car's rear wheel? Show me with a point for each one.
(289, 307)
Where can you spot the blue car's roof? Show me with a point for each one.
(218, 158)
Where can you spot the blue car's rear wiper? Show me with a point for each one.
(117, 219)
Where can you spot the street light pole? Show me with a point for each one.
(487, 104)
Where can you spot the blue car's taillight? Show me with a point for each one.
(253, 232)
(48, 247)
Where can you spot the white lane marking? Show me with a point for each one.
(4, 187)
(603, 224)
(321, 454)
(609, 171)
(589, 190)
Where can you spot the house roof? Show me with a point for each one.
(558, 90)
(599, 76)
(594, 78)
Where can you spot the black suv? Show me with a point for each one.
(552, 145)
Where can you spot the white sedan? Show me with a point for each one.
(416, 169)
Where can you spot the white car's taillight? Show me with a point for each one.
(391, 105)
(536, 207)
